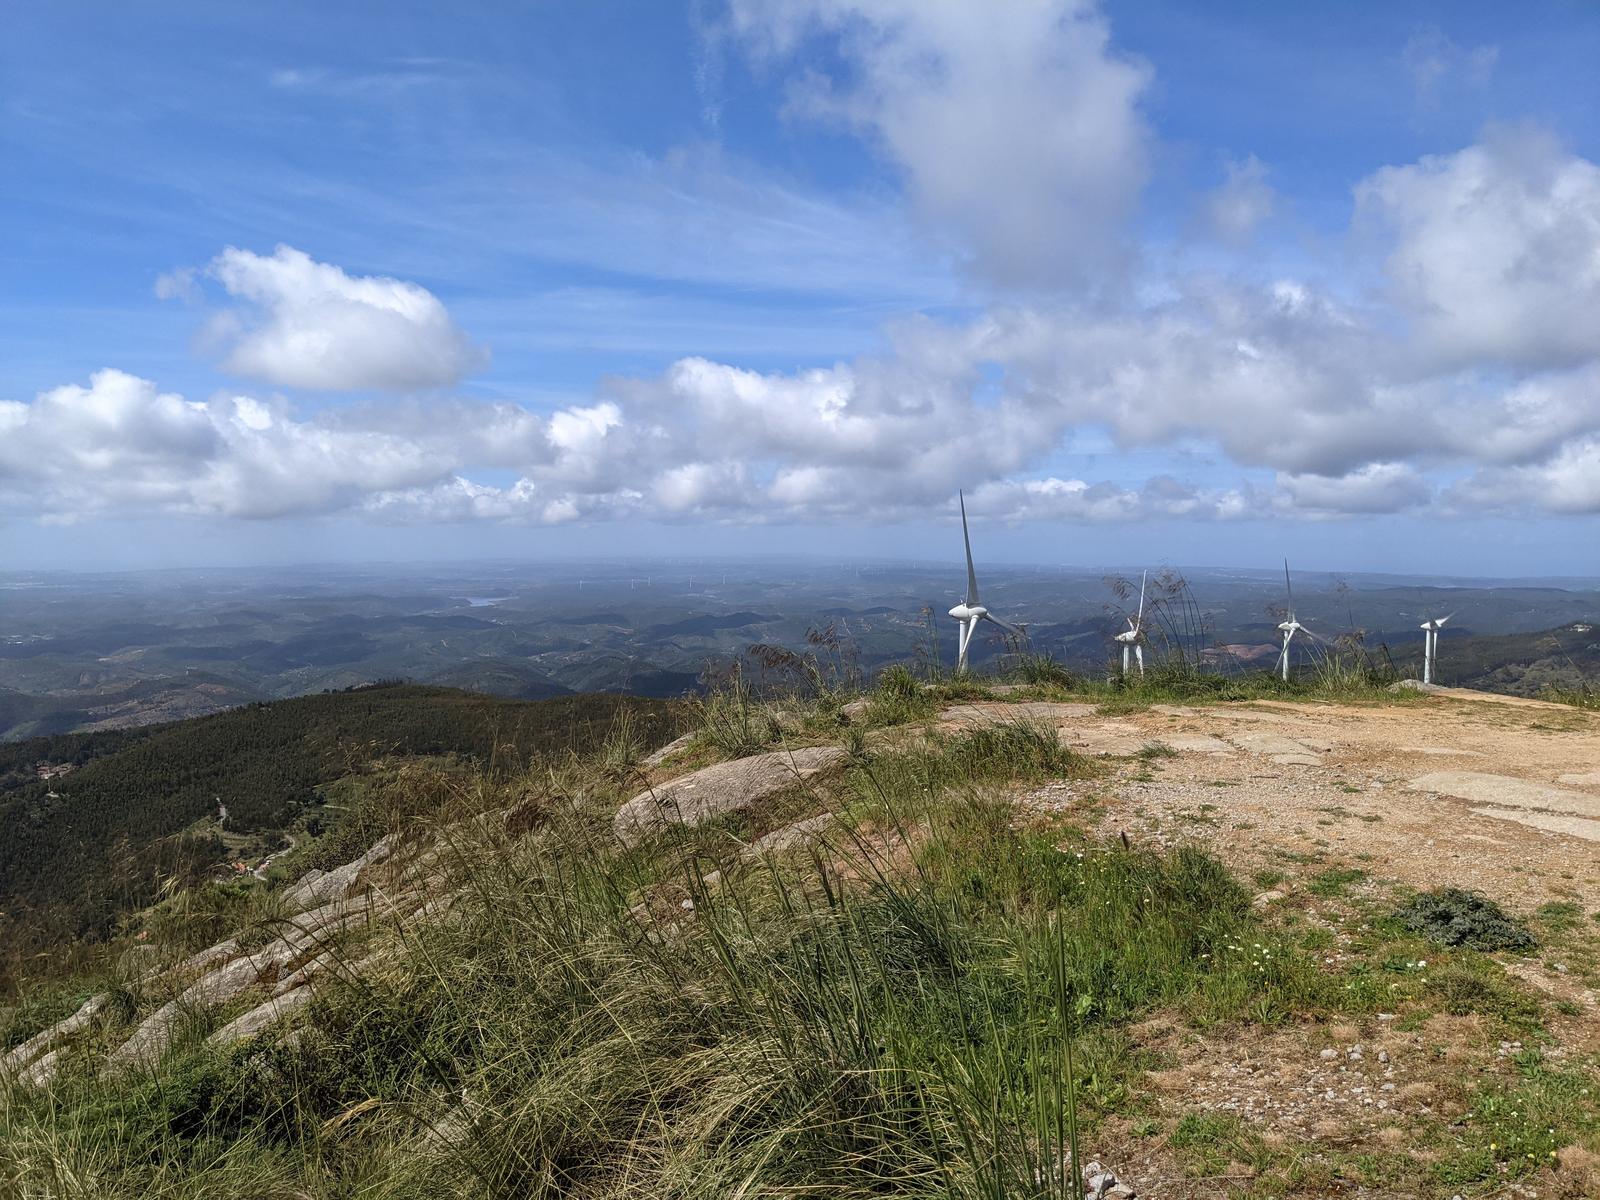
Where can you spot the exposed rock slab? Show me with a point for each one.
(856, 709)
(1578, 827)
(260, 1017)
(790, 837)
(321, 887)
(1506, 791)
(717, 790)
(1580, 778)
(1194, 743)
(42, 1071)
(1047, 712)
(151, 1039)
(221, 952)
(656, 757)
(18, 1057)
(1109, 739)
(1279, 748)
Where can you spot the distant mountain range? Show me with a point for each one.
(116, 651)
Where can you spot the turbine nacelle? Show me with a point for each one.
(969, 612)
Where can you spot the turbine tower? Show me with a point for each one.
(1430, 645)
(971, 610)
(1289, 627)
(1133, 640)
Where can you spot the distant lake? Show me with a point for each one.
(486, 601)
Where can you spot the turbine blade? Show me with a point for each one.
(1288, 588)
(1444, 618)
(966, 538)
(1006, 625)
(1142, 578)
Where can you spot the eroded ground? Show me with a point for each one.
(1336, 812)
(1498, 793)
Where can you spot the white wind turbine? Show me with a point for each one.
(1289, 627)
(1133, 640)
(971, 610)
(1430, 645)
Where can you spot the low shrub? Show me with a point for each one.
(1456, 917)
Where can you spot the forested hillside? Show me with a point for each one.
(82, 846)
(1524, 664)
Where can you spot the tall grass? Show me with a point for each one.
(1581, 695)
(733, 718)
(929, 1006)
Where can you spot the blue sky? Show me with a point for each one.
(1194, 282)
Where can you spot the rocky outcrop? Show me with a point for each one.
(217, 987)
(792, 837)
(286, 966)
(309, 933)
(260, 1017)
(37, 1056)
(656, 757)
(717, 790)
(319, 887)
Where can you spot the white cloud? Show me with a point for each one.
(307, 324)
(120, 445)
(1162, 497)
(1495, 249)
(1233, 212)
(1568, 482)
(1016, 125)
(1431, 59)
(1473, 382)
(1374, 488)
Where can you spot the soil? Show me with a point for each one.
(1497, 794)
(1501, 794)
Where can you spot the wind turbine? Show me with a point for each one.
(1133, 639)
(1289, 627)
(1430, 645)
(971, 610)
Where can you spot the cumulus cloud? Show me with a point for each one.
(1471, 383)
(1495, 249)
(1016, 126)
(1567, 482)
(1374, 488)
(121, 445)
(306, 324)
(1055, 499)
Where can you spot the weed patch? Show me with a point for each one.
(1454, 917)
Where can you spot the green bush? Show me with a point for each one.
(1455, 917)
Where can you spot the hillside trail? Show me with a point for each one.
(1496, 793)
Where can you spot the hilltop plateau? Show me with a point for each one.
(1245, 939)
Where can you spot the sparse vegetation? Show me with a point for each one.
(944, 998)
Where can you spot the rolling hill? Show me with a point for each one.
(139, 805)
